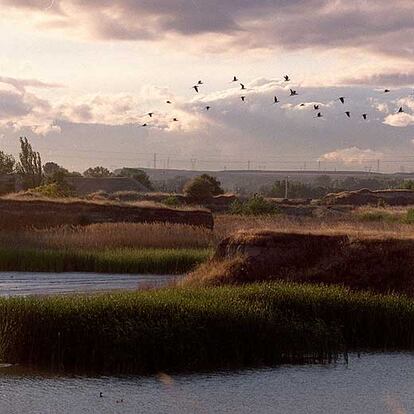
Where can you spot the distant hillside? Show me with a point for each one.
(252, 181)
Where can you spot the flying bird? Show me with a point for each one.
(401, 110)
(235, 79)
(150, 114)
(175, 120)
(144, 125)
(168, 102)
(195, 87)
(342, 99)
(319, 115)
(364, 116)
(242, 86)
(302, 104)
(293, 93)
(386, 90)
(208, 108)
(315, 107)
(243, 98)
(348, 114)
(200, 82)
(275, 100)
(286, 78)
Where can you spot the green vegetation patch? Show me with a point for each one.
(124, 260)
(187, 329)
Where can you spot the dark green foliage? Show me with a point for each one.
(138, 175)
(30, 165)
(126, 260)
(7, 163)
(97, 172)
(203, 188)
(255, 206)
(187, 329)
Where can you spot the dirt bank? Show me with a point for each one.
(368, 197)
(16, 214)
(369, 264)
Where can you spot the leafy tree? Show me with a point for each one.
(30, 164)
(254, 206)
(138, 175)
(202, 188)
(54, 172)
(97, 172)
(7, 163)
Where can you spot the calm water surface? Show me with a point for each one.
(376, 383)
(31, 283)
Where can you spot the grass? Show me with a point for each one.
(121, 260)
(186, 329)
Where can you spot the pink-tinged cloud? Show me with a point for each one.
(382, 26)
(352, 155)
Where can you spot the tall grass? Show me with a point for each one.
(187, 329)
(126, 260)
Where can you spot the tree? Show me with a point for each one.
(30, 164)
(54, 172)
(138, 175)
(97, 172)
(7, 163)
(202, 188)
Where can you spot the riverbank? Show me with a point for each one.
(117, 260)
(201, 328)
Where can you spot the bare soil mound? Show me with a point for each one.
(368, 197)
(17, 214)
(369, 264)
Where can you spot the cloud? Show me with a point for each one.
(22, 84)
(395, 79)
(399, 120)
(352, 155)
(381, 27)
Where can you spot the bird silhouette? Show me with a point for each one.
(348, 114)
(293, 92)
(401, 110)
(200, 82)
(302, 104)
(319, 115)
(144, 125)
(286, 78)
(243, 98)
(315, 107)
(364, 116)
(275, 100)
(100, 394)
(208, 108)
(242, 86)
(342, 99)
(235, 79)
(386, 91)
(168, 102)
(150, 114)
(175, 120)
(195, 87)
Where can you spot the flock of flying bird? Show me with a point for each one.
(293, 92)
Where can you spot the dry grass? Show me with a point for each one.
(112, 235)
(349, 225)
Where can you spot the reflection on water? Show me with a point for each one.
(376, 383)
(32, 283)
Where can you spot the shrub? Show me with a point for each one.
(255, 206)
(409, 218)
(203, 188)
(171, 201)
(54, 190)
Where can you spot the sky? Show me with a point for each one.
(78, 78)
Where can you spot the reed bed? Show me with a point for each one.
(187, 329)
(121, 260)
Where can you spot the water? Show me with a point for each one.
(31, 283)
(375, 383)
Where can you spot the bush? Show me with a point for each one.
(203, 188)
(53, 190)
(409, 218)
(255, 206)
(171, 201)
